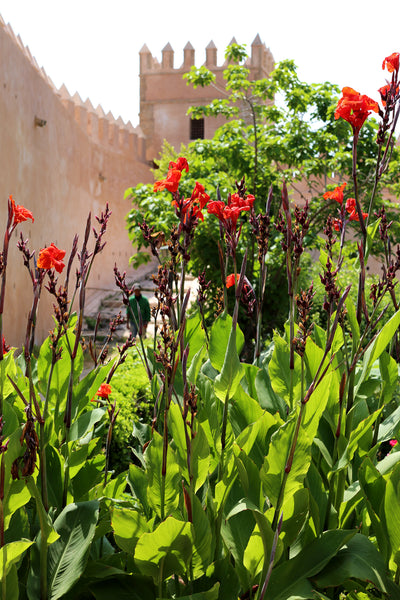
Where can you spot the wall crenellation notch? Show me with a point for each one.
(103, 129)
(260, 57)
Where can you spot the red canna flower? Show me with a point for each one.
(250, 199)
(189, 209)
(181, 164)
(104, 391)
(337, 224)
(393, 443)
(199, 194)
(242, 203)
(391, 62)
(230, 280)
(20, 213)
(170, 183)
(355, 108)
(248, 295)
(229, 213)
(216, 207)
(352, 210)
(385, 90)
(51, 257)
(350, 207)
(336, 194)
(6, 347)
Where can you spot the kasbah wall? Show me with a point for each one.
(82, 158)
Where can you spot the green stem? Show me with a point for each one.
(66, 471)
(376, 179)
(346, 425)
(2, 474)
(46, 400)
(224, 269)
(4, 574)
(164, 459)
(223, 438)
(42, 441)
(292, 273)
(1, 380)
(378, 420)
(143, 354)
(350, 401)
(160, 582)
(43, 537)
(362, 226)
(67, 422)
(289, 461)
(315, 382)
(331, 496)
(263, 273)
(108, 445)
(43, 569)
(291, 359)
(182, 286)
(43, 466)
(218, 523)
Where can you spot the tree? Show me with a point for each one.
(295, 139)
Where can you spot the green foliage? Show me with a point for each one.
(68, 555)
(131, 391)
(271, 477)
(297, 138)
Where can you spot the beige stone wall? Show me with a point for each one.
(80, 160)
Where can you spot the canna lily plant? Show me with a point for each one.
(273, 479)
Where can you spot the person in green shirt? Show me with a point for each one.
(138, 312)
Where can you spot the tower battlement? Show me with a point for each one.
(260, 58)
(165, 96)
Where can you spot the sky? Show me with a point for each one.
(92, 46)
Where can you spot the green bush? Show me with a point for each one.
(131, 391)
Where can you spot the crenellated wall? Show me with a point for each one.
(61, 158)
(165, 97)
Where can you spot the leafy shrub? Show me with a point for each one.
(131, 391)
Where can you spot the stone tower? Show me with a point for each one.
(165, 96)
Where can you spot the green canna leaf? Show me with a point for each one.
(154, 458)
(68, 555)
(165, 551)
(219, 338)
